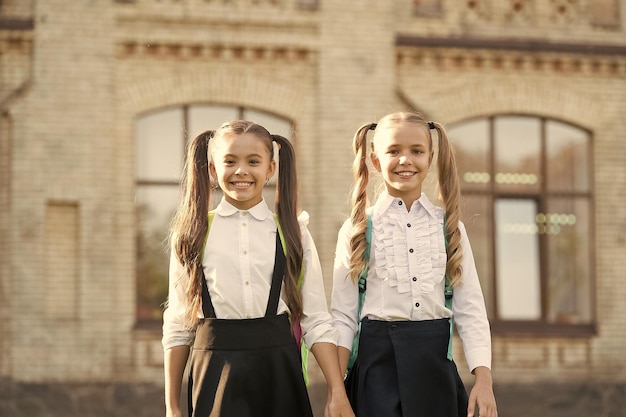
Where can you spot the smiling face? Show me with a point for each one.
(241, 164)
(402, 154)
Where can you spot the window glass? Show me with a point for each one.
(517, 153)
(205, 117)
(156, 205)
(566, 225)
(159, 155)
(471, 148)
(517, 260)
(567, 157)
(275, 125)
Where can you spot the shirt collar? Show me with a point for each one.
(259, 212)
(385, 201)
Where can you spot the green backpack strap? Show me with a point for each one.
(304, 352)
(448, 292)
(362, 287)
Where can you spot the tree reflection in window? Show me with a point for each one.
(160, 139)
(526, 185)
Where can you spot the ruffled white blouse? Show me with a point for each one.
(406, 277)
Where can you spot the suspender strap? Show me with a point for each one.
(277, 276)
(277, 279)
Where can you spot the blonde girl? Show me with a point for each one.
(402, 368)
(234, 293)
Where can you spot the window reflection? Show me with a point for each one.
(517, 149)
(471, 146)
(569, 267)
(568, 157)
(517, 260)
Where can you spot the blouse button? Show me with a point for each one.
(244, 224)
(408, 225)
(411, 250)
(399, 203)
(417, 304)
(245, 252)
(414, 279)
(247, 282)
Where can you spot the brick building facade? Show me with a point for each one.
(75, 77)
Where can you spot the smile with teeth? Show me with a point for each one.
(241, 184)
(405, 173)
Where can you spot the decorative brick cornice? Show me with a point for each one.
(458, 58)
(512, 45)
(133, 49)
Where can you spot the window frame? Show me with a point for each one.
(539, 327)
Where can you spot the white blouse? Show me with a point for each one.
(406, 277)
(238, 264)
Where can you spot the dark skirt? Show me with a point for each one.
(403, 371)
(247, 368)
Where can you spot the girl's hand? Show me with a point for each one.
(481, 396)
(337, 405)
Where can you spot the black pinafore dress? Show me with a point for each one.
(247, 367)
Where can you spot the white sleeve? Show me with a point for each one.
(470, 315)
(174, 331)
(316, 323)
(345, 295)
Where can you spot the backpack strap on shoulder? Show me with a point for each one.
(297, 329)
(448, 292)
(211, 216)
(362, 283)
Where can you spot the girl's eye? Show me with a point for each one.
(392, 152)
(229, 162)
(254, 161)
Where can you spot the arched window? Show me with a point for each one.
(528, 207)
(160, 138)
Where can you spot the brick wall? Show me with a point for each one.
(73, 86)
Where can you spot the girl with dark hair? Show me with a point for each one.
(403, 270)
(242, 279)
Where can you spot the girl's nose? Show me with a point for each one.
(240, 171)
(403, 159)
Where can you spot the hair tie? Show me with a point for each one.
(431, 125)
(373, 126)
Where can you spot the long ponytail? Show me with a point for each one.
(451, 196)
(287, 211)
(190, 224)
(358, 215)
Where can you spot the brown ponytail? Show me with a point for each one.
(451, 196)
(189, 226)
(360, 171)
(287, 211)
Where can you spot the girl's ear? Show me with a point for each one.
(375, 161)
(271, 170)
(212, 171)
